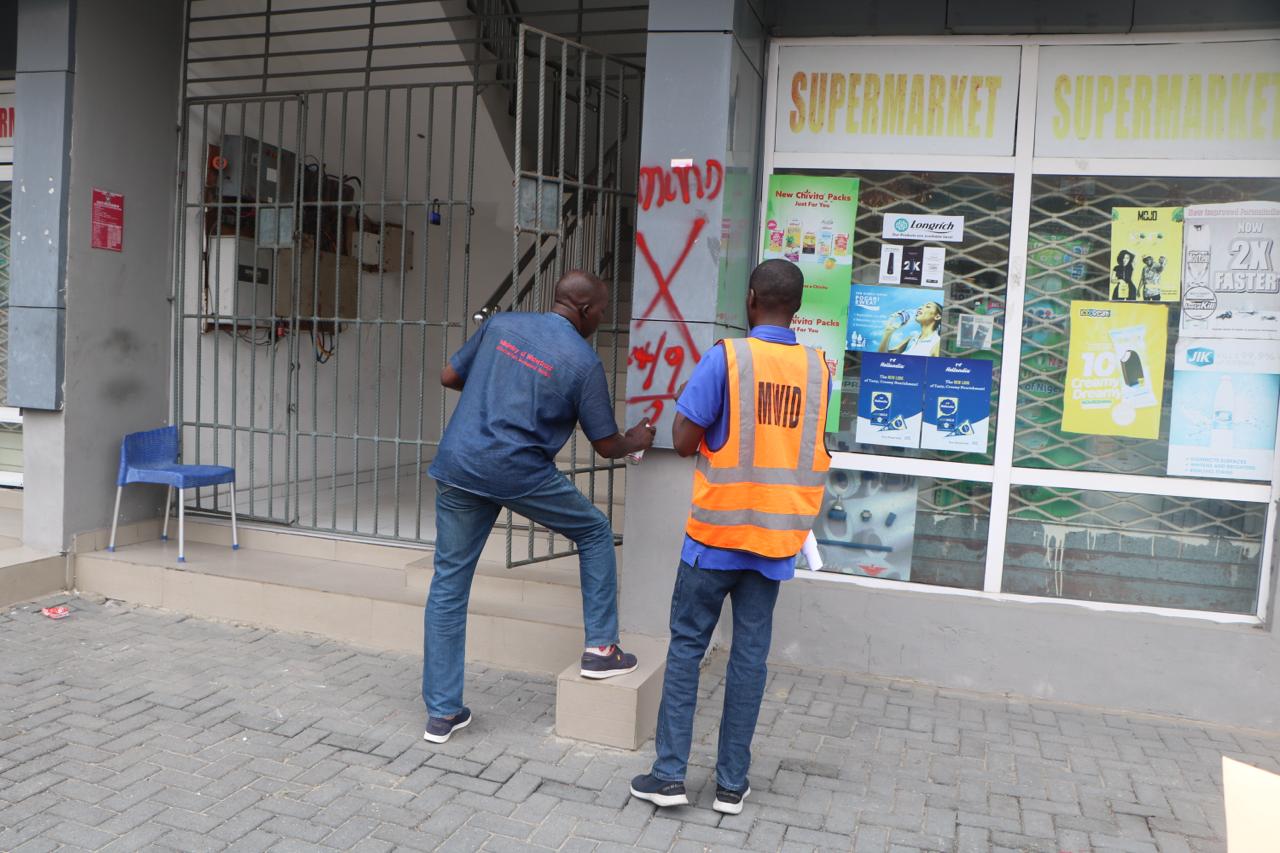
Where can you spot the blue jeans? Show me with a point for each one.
(464, 521)
(695, 610)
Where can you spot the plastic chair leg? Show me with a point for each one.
(235, 540)
(182, 529)
(168, 500)
(115, 517)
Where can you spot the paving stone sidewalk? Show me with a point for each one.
(129, 728)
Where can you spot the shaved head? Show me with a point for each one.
(577, 287)
(581, 299)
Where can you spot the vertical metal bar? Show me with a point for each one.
(515, 208)
(615, 255)
(564, 100)
(426, 280)
(315, 302)
(541, 169)
(400, 326)
(337, 367)
(582, 157)
(359, 318)
(294, 390)
(448, 243)
(382, 282)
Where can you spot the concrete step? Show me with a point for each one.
(532, 626)
(10, 526)
(621, 711)
(27, 574)
(10, 498)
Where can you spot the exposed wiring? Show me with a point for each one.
(325, 344)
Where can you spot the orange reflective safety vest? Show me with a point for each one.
(762, 490)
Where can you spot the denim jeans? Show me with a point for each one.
(464, 521)
(695, 610)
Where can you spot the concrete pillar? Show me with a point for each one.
(696, 242)
(97, 356)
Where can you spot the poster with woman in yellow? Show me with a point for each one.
(1146, 254)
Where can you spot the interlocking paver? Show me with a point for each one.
(126, 728)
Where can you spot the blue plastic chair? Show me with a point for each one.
(152, 457)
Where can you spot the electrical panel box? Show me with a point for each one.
(238, 281)
(256, 171)
(387, 239)
(327, 284)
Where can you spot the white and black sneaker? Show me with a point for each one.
(440, 729)
(662, 794)
(607, 663)
(730, 802)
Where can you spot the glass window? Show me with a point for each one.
(1069, 258)
(974, 276)
(1187, 553)
(904, 528)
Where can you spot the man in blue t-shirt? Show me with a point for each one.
(526, 380)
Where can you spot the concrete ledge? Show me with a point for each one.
(10, 498)
(27, 574)
(620, 711)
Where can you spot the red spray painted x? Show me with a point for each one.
(664, 283)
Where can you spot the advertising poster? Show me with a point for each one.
(923, 226)
(107, 230)
(1231, 271)
(905, 320)
(1115, 369)
(890, 395)
(1225, 395)
(809, 221)
(867, 524)
(1146, 245)
(957, 404)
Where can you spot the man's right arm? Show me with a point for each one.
(454, 373)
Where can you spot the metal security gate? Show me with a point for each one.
(346, 185)
(576, 158)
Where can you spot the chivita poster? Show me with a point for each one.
(1146, 252)
(809, 221)
(1225, 394)
(1230, 277)
(1115, 369)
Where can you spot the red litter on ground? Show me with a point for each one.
(59, 612)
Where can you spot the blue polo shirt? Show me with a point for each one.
(530, 379)
(705, 401)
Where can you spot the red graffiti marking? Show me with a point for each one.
(659, 185)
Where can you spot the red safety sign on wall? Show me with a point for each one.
(108, 220)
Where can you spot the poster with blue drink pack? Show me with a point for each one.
(890, 395)
(957, 404)
(905, 320)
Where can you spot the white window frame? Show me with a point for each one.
(1023, 165)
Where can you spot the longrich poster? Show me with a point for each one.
(809, 221)
(1115, 369)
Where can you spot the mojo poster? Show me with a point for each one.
(810, 222)
(1230, 278)
(1146, 252)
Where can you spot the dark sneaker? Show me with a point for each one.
(440, 729)
(662, 794)
(617, 662)
(730, 802)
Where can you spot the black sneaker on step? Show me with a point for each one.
(616, 662)
(662, 794)
(730, 802)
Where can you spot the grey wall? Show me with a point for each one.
(123, 119)
(828, 18)
(703, 101)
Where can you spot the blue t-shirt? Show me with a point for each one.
(705, 401)
(530, 378)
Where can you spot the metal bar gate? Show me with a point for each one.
(346, 177)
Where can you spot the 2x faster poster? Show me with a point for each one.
(809, 221)
(1115, 369)
(1231, 271)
